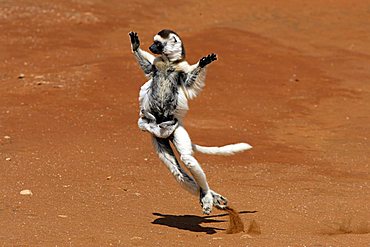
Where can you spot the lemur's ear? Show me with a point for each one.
(175, 39)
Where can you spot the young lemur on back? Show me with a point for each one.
(163, 105)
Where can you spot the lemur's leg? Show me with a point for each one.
(145, 59)
(182, 142)
(167, 156)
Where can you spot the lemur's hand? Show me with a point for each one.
(148, 115)
(207, 60)
(135, 42)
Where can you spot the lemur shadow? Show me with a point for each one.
(192, 222)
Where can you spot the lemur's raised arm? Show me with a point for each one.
(193, 78)
(145, 59)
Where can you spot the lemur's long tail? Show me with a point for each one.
(224, 150)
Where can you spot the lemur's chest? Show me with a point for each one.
(164, 81)
(164, 73)
(163, 93)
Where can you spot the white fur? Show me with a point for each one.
(173, 48)
(223, 150)
(159, 38)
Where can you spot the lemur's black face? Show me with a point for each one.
(156, 47)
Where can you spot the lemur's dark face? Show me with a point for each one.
(156, 47)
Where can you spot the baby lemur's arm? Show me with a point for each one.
(144, 58)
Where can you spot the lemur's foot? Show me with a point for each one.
(219, 201)
(207, 60)
(135, 42)
(206, 201)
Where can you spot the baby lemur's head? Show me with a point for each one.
(169, 44)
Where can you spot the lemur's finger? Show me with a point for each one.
(132, 34)
(213, 56)
(221, 207)
(134, 37)
(224, 200)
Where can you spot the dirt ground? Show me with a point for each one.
(292, 80)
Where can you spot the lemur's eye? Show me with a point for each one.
(158, 44)
(175, 39)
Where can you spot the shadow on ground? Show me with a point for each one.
(192, 222)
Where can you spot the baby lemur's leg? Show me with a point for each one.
(182, 142)
(167, 156)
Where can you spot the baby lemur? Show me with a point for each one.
(163, 105)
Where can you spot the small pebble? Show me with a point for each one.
(6, 137)
(26, 193)
(8, 159)
(21, 76)
(62, 216)
(136, 238)
(246, 236)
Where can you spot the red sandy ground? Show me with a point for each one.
(292, 79)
